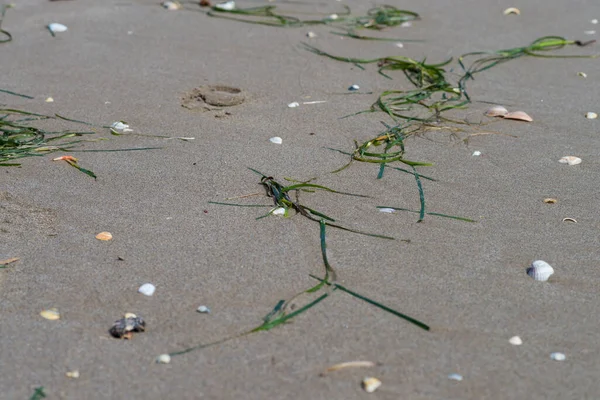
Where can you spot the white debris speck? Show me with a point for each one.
(147, 289)
(455, 377)
(591, 115)
(203, 310)
(406, 24)
(49, 100)
(558, 356)
(163, 359)
(399, 45)
(226, 6)
(294, 104)
(476, 153)
(276, 140)
(515, 341)
(72, 374)
(333, 17)
(594, 21)
(57, 28)
(311, 35)
(570, 160)
(354, 88)
(387, 210)
(590, 32)
(279, 211)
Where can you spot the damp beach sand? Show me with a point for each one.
(135, 61)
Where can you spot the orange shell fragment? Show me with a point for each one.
(104, 236)
(65, 158)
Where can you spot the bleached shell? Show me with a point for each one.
(558, 356)
(590, 32)
(311, 35)
(496, 111)
(387, 210)
(571, 160)
(147, 289)
(293, 104)
(371, 384)
(476, 153)
(52, 314)
(353, 88)
(119, 125)
(226, 6)
(203, 310)
(104, 236)
(171, 5)
(72, 374)
(276, 140)
(279, 211)
(512, 10)
(519, 116)
(515, 341)
(591, 115)
(163, 359)
(540, 270)
(56, 27)
(130, 315)
(455, 377)
(49, 100)
(568, 219)
(550, 200)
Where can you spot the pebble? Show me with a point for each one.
(203, 310)
(515, 341)
(558, 356)
(455, 377)
(147, 289)
(276, 140)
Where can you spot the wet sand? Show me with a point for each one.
(467, 281)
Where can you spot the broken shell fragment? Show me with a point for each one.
(591, 115)
(558, 356)
(387, 210)
(226, 6)
(351, 364)
(104, 236)
(57, 28)
(550, 200)
(582, 74)
(276, 140)
(171, 5)
(515, 341)
(203, 310)
(354, 88)
(519, 116)
(163, 359)
(130, 315)
(294, 104)
(333, 17)
(573, 220)
(512, 10)
(147, 289)
(455, 377)
(279, 211)
(371, 384)
(540, 270)
(72, 374)
(571, 160)
(52, 314)
(49, 100)
(496, 111)
(476, 153)
(124, 327)
(311, 35)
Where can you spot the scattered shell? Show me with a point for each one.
(276, 140)
(333, 17)
(57, 28)
(130, 315)
(582, 74)
(455, 377)
(227, 6)
(311, 35)
(147, 289)
(594, 21)
(294, 104)
(496, 111)
(104, 236)
(279, 211)
(387, 210)
(9, 260)
(119, 125)
(203, 310)
(49, 100)
(476, 153)
(351, 364)
(519, 116)
(591, 115)
(163, 359)
(171, 5)
(406, 24)
(72, 374)
(540, 270)
(52, 314)
(515, 341)
(353, 88)
(65, 158)
(550, 200)
(558, 356)
(124, 327)
(573, 220)
(512, 10)
(371, 384)
(590, 32)
(400, 45)
(571, 160)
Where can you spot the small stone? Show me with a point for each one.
(294, 104)
(203, 310)
(163, 359)
(515, 341)
(276, 140)
(147, 289)
(354, 88)
(455, 377)
(558, 356)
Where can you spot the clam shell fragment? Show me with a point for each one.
(591, 115)
(51, 314)
(276, 140)
(512, 10)
(147, 289)
(571, 160)
(519, 116)
(72, 374)
(496, 111)
(558, 356)
(540, 270)
(163, 359)
(104, 236)
(57, 28)
(515, 341)
(371, 384)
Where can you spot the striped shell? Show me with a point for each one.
(540, 270)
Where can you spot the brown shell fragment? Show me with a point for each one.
(550, 200)
(519, 116)
(104, 236)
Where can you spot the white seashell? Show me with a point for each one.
(370, 384)
(387, 210)
(276, 140)
(594, 21)
(171, 5)
(591, 115)
(496, 111)
(540, 270)
(333, 17)
(294, 104)
(515, 341)
(590, 32)
(512, 10)
(57, 28)
(400, 45)
(226, 6)
(52, 314)
(163, 359)
(582, 74)
(406, 24)
(571, 160)
(147, 289)
(203, 310)
(72, 374)
(476, 153)
(311, 35)
(455, 377)
(558, 356)
(49, 100)
(119, 125)
(518, 115)
(279, 211)
(353, 88)
(573, 220)
(130, 315)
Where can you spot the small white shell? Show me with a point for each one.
(72, 374)
(496, 111)
(591, 115)
(540, 270)
(119, 125)
(406, 24)
(590, 32)
(594, 21)
(558, 356)
(571, 160)
(512, 10)
(400, 45)
(52, 314)
(519, 116)
(333, 17)
(203, 310)
(147, 289)
(49, 100)
(163, 359)
(354, 88)
(171, 5)
(279, 211)
(573, 220)
(515, 341)
(311, 35)
(276, 140)
(582, 74)
(370, 384)
(57, 28)
(226, 6)
(476, 153)
(294, 104)
(455, 377)
(387, 210)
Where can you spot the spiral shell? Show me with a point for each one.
(540, 270)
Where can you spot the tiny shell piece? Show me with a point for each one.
(203, 310)
(163, 359)
(591, 115)
(512, 10)
(72, 374)
(52, 314)
(406, 24)
(594, 21)
(57, 28)
(400, 45)
(226, 6)
(455, 377)
(550, 200)
(540, 270)
(311, 35)
(49, 100)
(119, 125)
(582, 74)
(276, 140)
(573, 220)
(171, 5)
(294, 104)
(476, 153)
(387, 210)
(333, 17)
(129, 315)
(353, 88)
(590, 32)
(104, 236)
(371, 384)
(519, 116)
(558, 356)
(279, 211)
(496, 111)
(515, 341)
(147, 289)
(571, 160)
